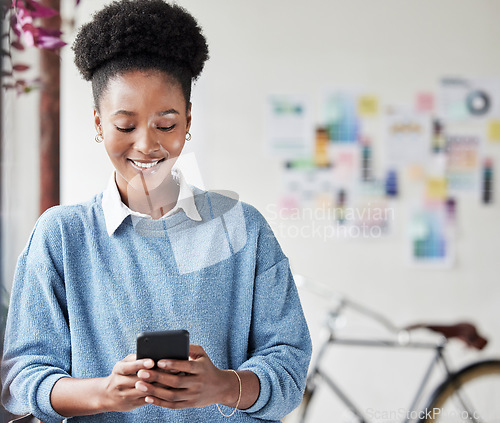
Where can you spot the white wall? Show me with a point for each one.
(20, 170)
(394, 48)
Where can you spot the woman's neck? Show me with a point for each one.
(154, 203)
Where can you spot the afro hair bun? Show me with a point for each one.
(127, 28)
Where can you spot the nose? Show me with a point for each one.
(146, 143)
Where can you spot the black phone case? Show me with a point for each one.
(172, 344)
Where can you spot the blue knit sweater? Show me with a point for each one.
(80, 297)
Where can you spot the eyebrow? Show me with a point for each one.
(168, 112)
(129, 113)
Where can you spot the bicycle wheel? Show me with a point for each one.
(470, 395)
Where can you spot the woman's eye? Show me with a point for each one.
(124, 129)
(166, 128)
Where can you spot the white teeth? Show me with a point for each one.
(145, 165)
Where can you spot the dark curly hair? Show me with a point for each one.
(140, 35)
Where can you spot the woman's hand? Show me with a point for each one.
(120, 393)
(116, 392)
(189, 383)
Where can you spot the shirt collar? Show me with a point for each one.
(115, 211)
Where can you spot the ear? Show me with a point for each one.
(188, 117)
(97, 121)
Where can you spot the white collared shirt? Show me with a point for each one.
(115, 211)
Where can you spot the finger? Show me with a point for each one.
(125, 381)
(168, 404)
(124, 390)
(196, 351)
(176, 366)
(132, 367)
(130, 393)
(162, 393)
(191, 366)
(130, 357)
(178, 381)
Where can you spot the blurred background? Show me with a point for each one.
(366, 132)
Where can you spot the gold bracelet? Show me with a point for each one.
(239, 397)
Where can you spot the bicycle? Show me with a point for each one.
(470, 394)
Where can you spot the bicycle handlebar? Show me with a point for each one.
(465, 331)
(342, 301)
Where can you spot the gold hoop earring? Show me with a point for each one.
(99, 138)
(188, 137)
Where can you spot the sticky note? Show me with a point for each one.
(494, 130)
(415, 172)
(425, 102)
(367, 105)
(436, 188)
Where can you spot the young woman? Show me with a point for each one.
(151, 253)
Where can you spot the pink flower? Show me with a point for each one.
(20, 20)
(33, 8)
(49, 39)
(22, 23)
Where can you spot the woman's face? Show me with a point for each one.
(144, 124)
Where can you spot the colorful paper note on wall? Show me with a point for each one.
(436, 188)
(305, 185)
(494, 130)
(346, 160)
(368, 106)
(415, 172)
(322, 143)
(425, 102)
(430, 241)
(289, 127)
(341, 115)
(408, 138)
(473, 98)
(462, 163)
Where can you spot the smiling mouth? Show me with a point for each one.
(146, 165)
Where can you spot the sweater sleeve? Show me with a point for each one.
(279, 338)
(37, 340)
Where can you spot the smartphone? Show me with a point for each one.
(172, 344)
